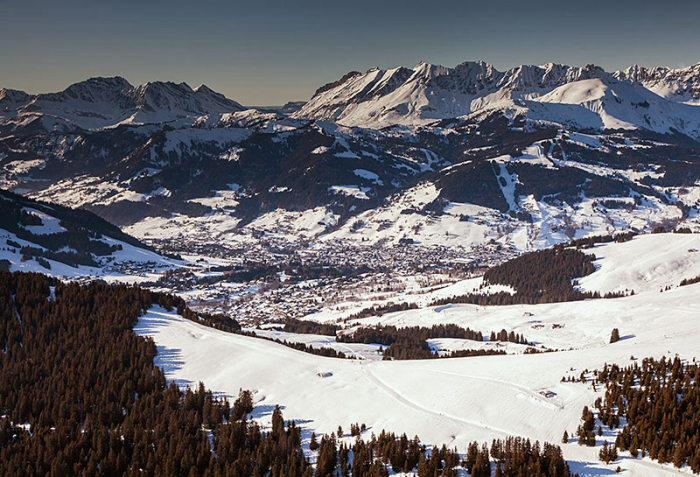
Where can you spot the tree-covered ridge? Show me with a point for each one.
(544, 276)
(80, 395)
(73, 246)
(386, 335)
(292, 325)
(659, 404)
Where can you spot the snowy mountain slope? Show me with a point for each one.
(428, 92)
(453, 401)
(48, 238)
(493, 179)
(678, 84)
(528, 199)
(648, 263)
(271, 160)
(615, 105)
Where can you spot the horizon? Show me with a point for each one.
(136, 84)
(268, 55)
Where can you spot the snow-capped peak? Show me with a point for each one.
(12, 96)
(679, 85)
(108, 101)
(429, 92)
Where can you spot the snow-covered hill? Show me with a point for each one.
(58, 241)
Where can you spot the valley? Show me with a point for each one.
(454, 401)
(457, 254)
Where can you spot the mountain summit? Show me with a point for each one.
(100, 102)
(658, 99)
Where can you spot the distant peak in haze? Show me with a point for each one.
(100, 102)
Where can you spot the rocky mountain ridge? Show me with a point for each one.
(588, 96)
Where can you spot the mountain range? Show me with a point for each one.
(431, 155)
(99, 103)
(658, 99)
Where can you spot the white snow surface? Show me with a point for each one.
(644, 264)
(49, 224)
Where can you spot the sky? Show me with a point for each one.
(263, 53)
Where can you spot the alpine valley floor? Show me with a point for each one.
(455, 401)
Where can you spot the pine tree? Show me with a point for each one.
(615, 336)
(277, 422)
(608, 453)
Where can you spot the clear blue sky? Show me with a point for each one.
(269, 52)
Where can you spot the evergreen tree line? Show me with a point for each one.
(386, 335)
(689, 281)
(228, 324)
(401, 351)
(292, 325)
(544, 276)
(683, 230)
(397, 343)
(411, 342)
(589, 242)
(80, 395)
(380, 310)
(217, 321)
(518, 457)
(511, 337)
(306, 348)
(512, 457)
(660, 402)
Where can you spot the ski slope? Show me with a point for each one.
(455, 401)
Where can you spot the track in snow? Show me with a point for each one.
(534, 394)
(413, 405)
